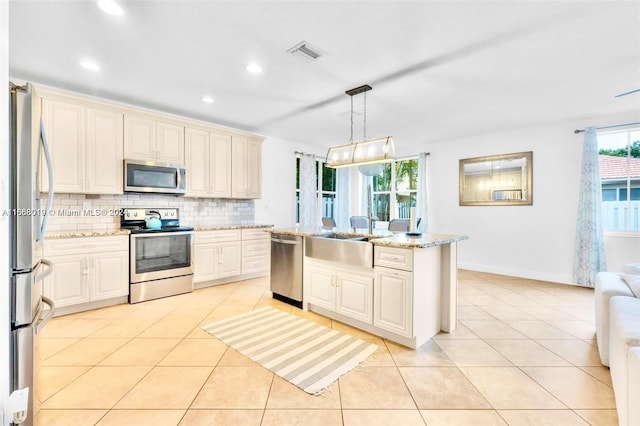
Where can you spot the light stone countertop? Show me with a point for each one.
(76, 234)
(79, 234)
(222, 227)
(379, 237)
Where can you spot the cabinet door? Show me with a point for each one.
(110, 274)
(65, 129)
(254, 169)
(322, 291)
(68, 284)
(220, 166)
(393, 301)
(139, 138)
(170, 143)
(239, 177)
(355, 296)
(229, 259)
(198, 163)
(104, 152)
(205, 262)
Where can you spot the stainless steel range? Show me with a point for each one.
(160, 252)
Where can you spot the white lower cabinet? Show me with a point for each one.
(216, 254)
(393, 296)
(344, 291)
(256, 250)
(87, 269)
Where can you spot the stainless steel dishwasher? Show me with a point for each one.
(286, 268)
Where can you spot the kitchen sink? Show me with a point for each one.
(345, 249)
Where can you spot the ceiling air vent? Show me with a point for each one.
(307, 51)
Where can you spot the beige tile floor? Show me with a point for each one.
(524, 353)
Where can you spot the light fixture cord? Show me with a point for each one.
(365, 116)
(351, 140)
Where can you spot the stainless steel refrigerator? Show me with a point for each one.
(27, 224)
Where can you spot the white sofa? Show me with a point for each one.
(608, 285)
(624, 357)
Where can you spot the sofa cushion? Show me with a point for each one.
(633, 281)
(624, 335)
(608, 284)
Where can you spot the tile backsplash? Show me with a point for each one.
(78, 212)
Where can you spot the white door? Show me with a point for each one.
(104, 152)
(139, 138)
(239, 167)
(220, 165)
(322, 291)
(205, 262)
(69, 282)
(254, 169)
(65, 129)
(170, 143)
(393, 300)
(355, 296)
(110, 274)
(197, 158)
(229, 259)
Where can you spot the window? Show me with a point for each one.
(395, 193)
(620, 179)
(325, 189)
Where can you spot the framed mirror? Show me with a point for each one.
(497, 180)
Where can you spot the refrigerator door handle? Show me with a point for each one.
(41, 276)
(47, 156)
(43, 321)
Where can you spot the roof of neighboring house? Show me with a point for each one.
(616, 167)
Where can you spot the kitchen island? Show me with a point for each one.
(405, 291)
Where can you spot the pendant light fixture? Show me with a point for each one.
(366, 151)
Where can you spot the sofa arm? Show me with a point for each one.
(608, 285)
(633, 374)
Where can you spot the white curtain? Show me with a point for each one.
(308, 197)
(364, 194)
(421, 197)
(589, 255)
(342, 211)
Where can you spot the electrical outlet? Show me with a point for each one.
(86, 205)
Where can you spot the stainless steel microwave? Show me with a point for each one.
(149, 176)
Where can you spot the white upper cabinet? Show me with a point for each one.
(148, 139)
(86, 147)
(208, 162)
(246, 167)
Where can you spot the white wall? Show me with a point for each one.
(526, 241)
(4, 203)
(277, 206)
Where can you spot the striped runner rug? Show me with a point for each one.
(303, 352)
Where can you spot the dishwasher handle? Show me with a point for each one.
(278, 240)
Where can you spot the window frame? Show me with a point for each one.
(393, 192)
(629, 184)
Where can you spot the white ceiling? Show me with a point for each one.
(439, 70)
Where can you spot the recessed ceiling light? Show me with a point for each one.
(254, 68)
(89, 65)
(110, 7)
(207, 99)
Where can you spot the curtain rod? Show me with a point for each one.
(610, 127)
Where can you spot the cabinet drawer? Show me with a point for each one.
(391, 257)
(204, 237)
(255, 234)
(255, 247)
(254, 264)
(84, 245)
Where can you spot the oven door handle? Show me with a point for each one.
(161, 234)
